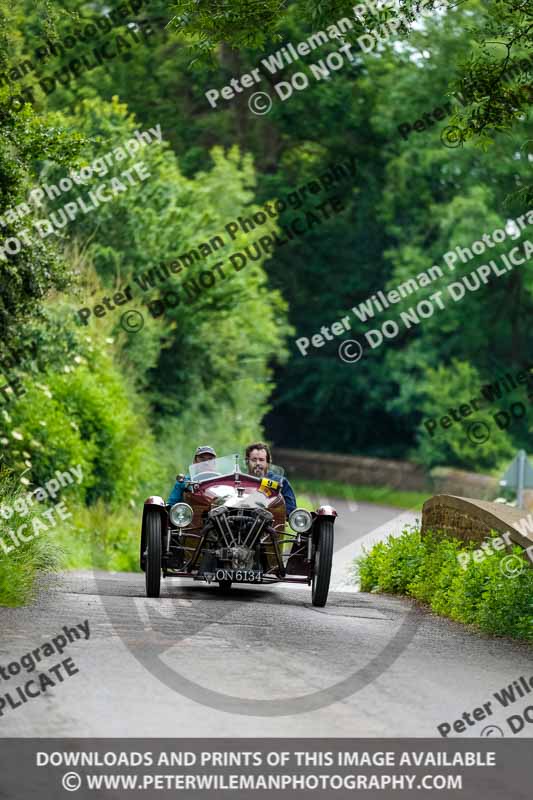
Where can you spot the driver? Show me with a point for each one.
(258, 459)
(203, 453)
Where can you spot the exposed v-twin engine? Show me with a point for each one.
(239, 531)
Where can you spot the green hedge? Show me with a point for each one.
(428, 570)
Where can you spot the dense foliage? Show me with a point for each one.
(427, 568)
(219, 363)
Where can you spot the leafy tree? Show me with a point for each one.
(474, 442)
(409, 201)
(209, 320)
(29, 265)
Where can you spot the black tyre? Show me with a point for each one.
(224, 586)
(323, 559)
(153, 554)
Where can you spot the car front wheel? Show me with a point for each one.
(322, 564)
(153, 554)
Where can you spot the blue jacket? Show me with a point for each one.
(286, 490)
(176, 495)
(288, 495)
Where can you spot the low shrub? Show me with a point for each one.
(427, 568)
(391, 565)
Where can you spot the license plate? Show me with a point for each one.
(239, 575)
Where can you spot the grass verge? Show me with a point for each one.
(102, 538)
(91, 538)
(381, 495)
(427, 569)
(22, 563)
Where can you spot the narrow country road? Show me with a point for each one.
(261, 660)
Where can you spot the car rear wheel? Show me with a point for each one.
(153, 554)
(322, 564)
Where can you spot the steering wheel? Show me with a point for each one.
(204, 476)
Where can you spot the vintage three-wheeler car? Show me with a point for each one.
(231, 528)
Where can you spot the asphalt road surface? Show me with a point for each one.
(258, 662)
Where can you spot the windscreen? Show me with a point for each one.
(225, 465)
(214, 468)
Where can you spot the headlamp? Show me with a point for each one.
(181, 515)
(300, 520)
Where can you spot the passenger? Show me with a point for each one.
(258, 459)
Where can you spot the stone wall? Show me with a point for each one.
(469, 519)
(402, 475)
(458, 482)
(363, 471)
(357, 470)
